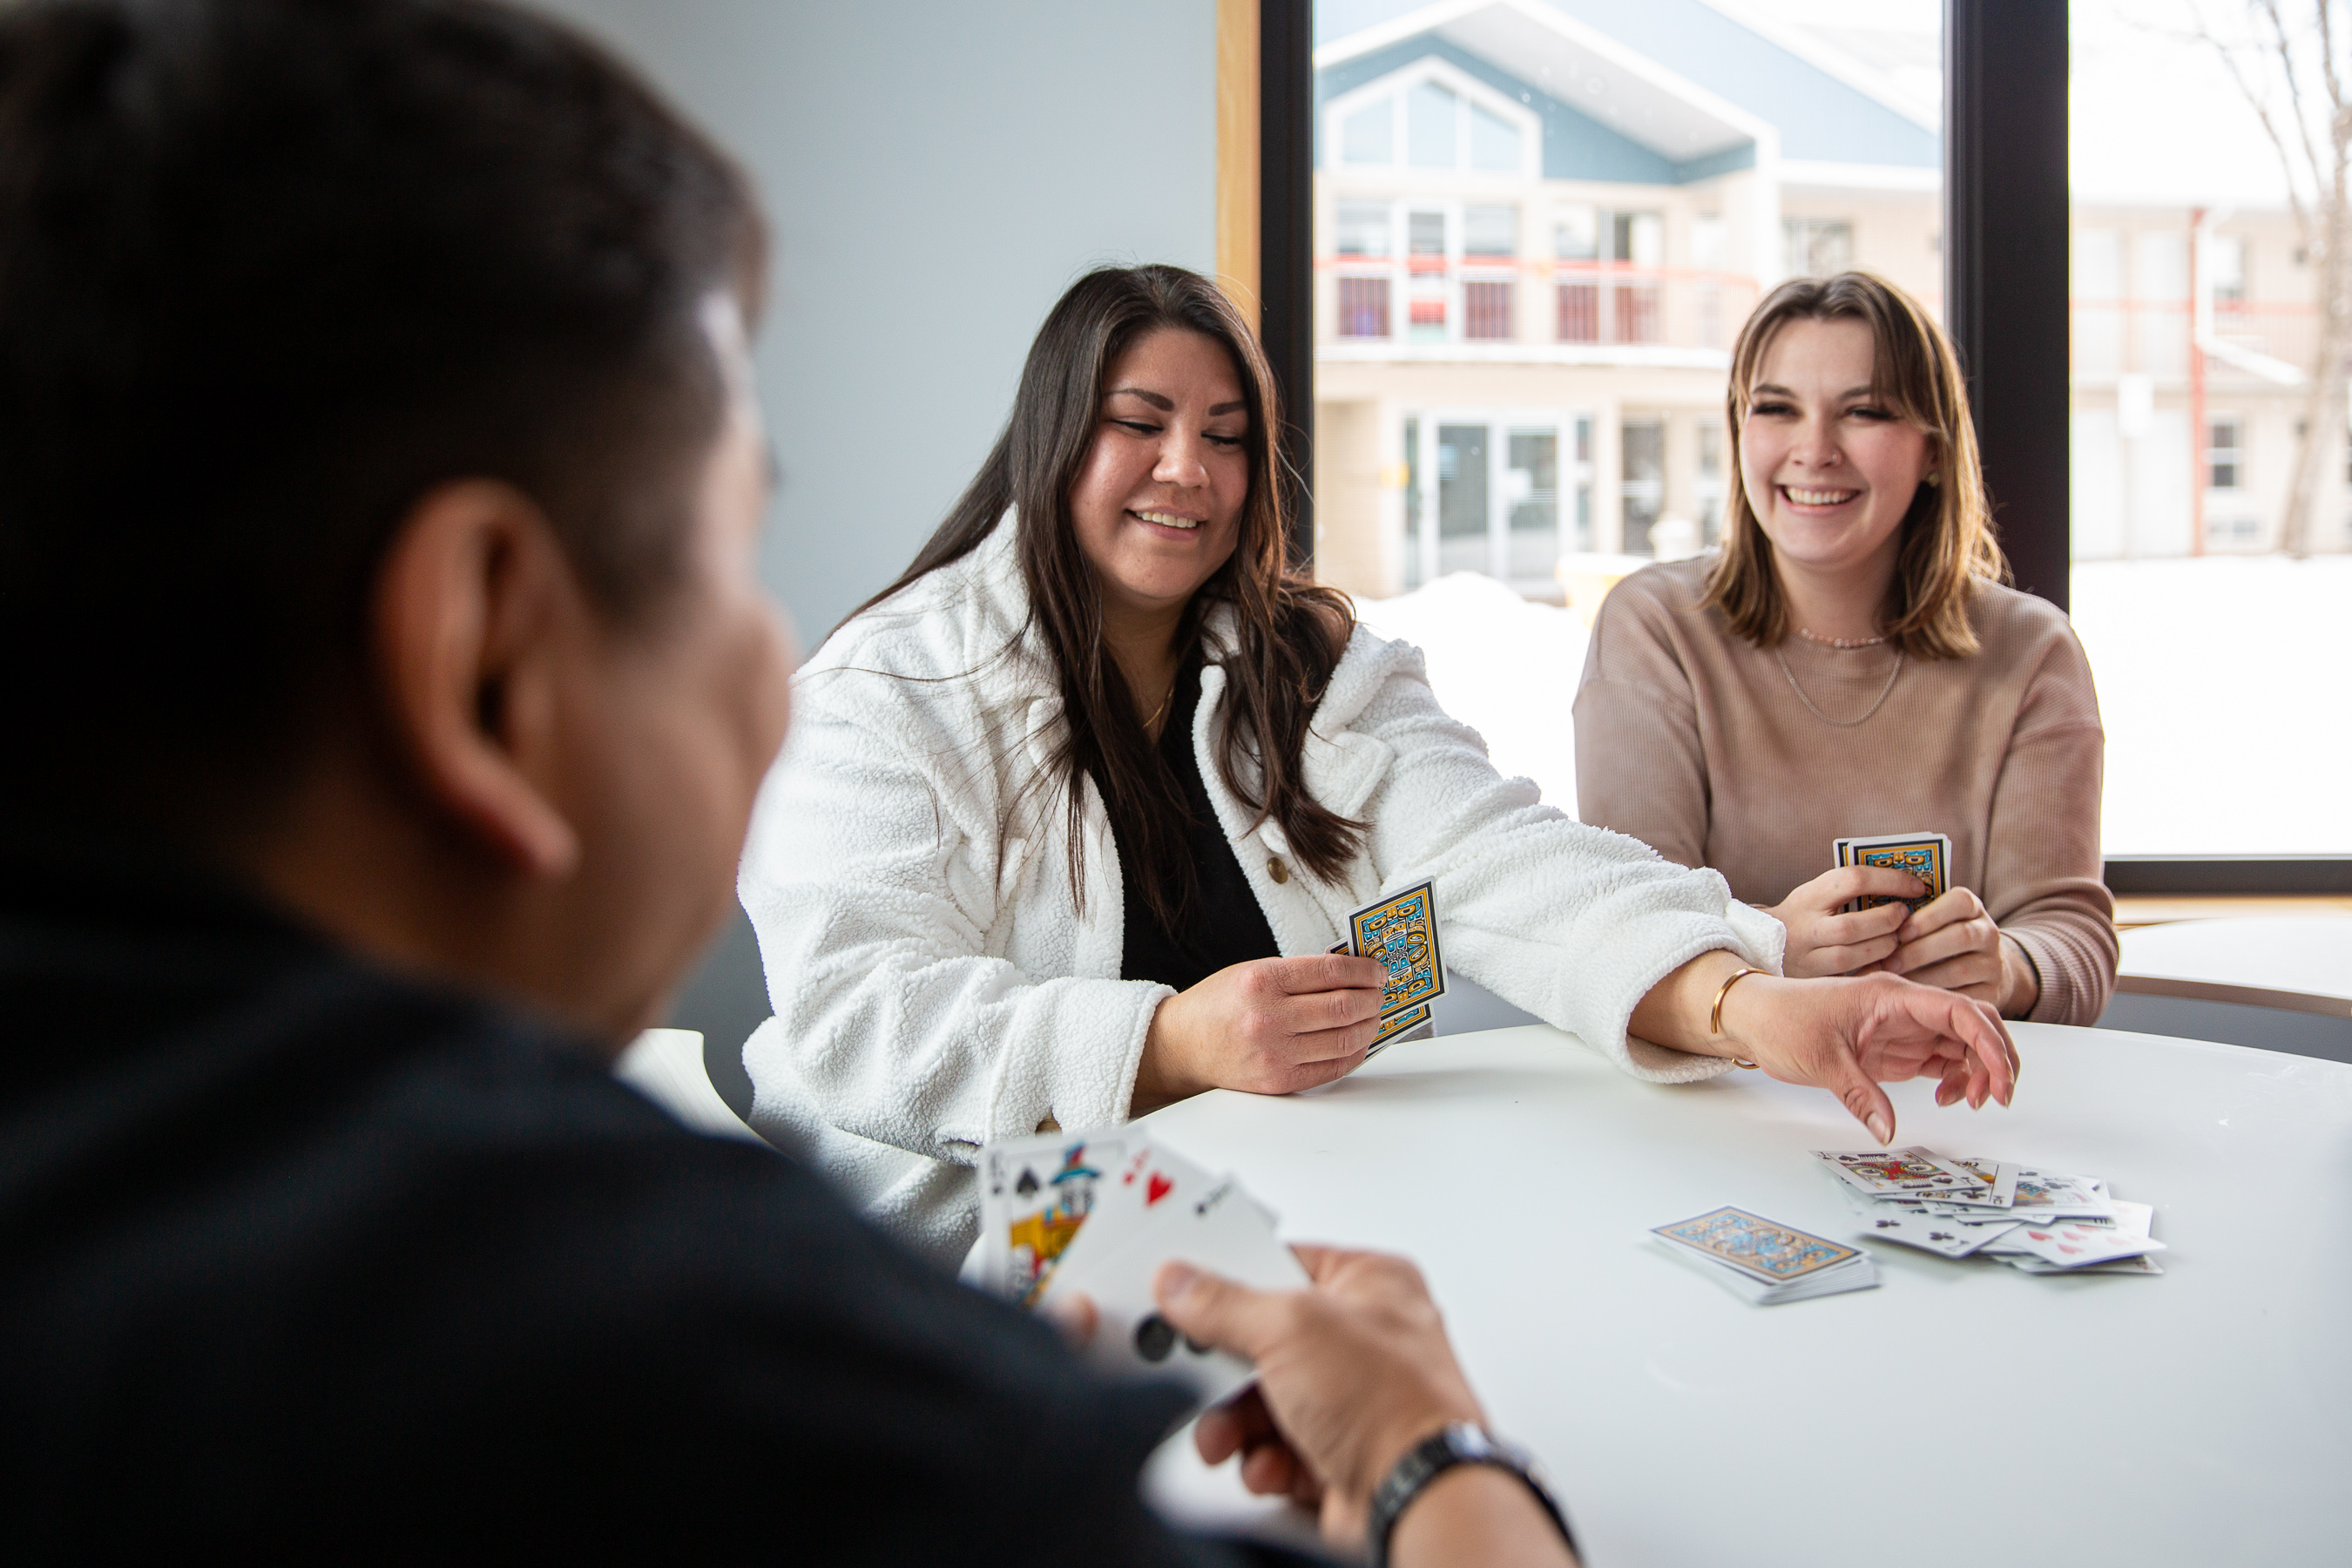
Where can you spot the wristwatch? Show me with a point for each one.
(1462, 1443)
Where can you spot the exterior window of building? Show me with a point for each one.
(2225, 254)
(1461, 522)
(2098, 304)
(1576, 239)
(1531, 490)
(1493, 141)
(1819, 246)
(1368, 135)
(1641, 480)
(1428, 127)
(1490, 231)
(1362, 229)
(2225, 454)
(1576, 234)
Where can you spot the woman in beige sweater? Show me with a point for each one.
(1851, 663)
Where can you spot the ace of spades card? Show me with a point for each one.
(1927, 855)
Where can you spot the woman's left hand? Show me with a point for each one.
(1953, 945)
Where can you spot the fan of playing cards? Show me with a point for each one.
(1097, 1215)
(2032, 1219)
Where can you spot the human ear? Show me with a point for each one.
(467, 619)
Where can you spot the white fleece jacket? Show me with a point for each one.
(937, 985)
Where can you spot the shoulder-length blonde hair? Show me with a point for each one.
(1948, 548)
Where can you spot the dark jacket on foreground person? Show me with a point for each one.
(300, 1256)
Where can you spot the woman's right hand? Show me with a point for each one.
(1824, 940)
(1272, 1025)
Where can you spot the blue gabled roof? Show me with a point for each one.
(1575, 145)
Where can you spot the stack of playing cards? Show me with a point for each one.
(1927, 855)
(1401, 930)
(2035, 1220)
(1097, 1215)
(1766, 1262)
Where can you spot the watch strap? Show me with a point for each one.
(1460, 1442)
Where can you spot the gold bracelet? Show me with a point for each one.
(1715, 1016)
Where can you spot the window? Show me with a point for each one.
(1362, 229)
(1576, 234)
(1567, 256)
(2222, 455)
(1818, 247)
(1430, 128)
(1490, 231)
(1493, 141)
(2195, 337)
(1368, 135)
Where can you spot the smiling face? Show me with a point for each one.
(1829, 471)
(1158, 501)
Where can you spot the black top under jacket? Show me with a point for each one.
(1222, 925)
(306, 1261)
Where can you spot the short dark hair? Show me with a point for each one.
(270, 270)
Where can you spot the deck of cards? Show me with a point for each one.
(2034, 1220)
(1097, 1214)
(1764, 1261)
(1401, 930)
(1927, 855)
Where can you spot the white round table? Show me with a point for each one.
(1961, 1413)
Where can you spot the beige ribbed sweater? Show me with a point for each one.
(1690, 740)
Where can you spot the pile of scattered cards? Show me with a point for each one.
(1401, 930)
(1097, 1214)
(2035, 1220)
(1764, 1261)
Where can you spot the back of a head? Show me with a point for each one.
(270, 270)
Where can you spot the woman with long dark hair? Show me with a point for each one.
(1075, 809)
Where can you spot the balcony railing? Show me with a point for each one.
(1499, 300)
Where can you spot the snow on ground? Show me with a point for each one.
(1502, 665)
(2220, 682)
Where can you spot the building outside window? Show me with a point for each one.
(2224, 450)
(1819, 247)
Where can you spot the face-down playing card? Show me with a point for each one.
(1758, 1248)
(1401, 930)
(1927, 855)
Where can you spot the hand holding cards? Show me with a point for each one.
(1097, 1215)
(1401, 930)
(1927, 855)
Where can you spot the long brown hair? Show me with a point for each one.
(1289, 632)
(1948, 547)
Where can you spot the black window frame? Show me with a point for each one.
(2006, 231)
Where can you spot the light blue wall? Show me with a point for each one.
(935, 175)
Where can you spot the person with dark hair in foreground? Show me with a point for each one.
(379, 476)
